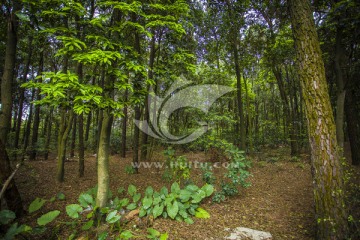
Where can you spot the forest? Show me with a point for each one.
(179, 119)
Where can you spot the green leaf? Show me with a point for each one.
(47, 217)
(149, 191)
(175, 188)
(158, 210)
(201, 213)
(36, 205)
(126, 235)
(131, 190)
(172, 209)
(60, 196)
(189, 220)
(147, 202)
(184, 195)
(87, 225)
(131, 206)
(112, 217)
(6, 216)
(73, 210)
(23, 17)
(123, 202)
(136, 197)
(164, 191)
(208, 189)
(103, 236)
(164, 236)
(142, 212)
(153, 233)
(86, 200)
(15, 230)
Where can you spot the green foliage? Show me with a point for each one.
(208, 174)
(179, 204)
(48, 217)
(129, 169)
(12, 229)
(177, 168)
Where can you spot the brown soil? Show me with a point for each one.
(279, 200)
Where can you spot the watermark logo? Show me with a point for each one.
(181, 94)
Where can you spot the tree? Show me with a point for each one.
(12, 195)
(331, 216)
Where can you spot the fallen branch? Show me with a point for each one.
(7, 182)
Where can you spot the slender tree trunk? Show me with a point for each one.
(352, 119)
(12, 196)
(67, 122)
(103, 160)
(340, 98)
(28, 123)
(144, 144)
(35, 129)
(88, 124)
(48, 133)
(124, 127)
(81, 131)
(137, 110)
(73, 138)
(331, 215)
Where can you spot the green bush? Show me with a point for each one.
(177, 168)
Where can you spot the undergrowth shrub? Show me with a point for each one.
(177, 168)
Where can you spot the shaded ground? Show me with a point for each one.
(279, 200)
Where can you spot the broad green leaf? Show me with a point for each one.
(103, 236)
(73, 210)
(47, 217)
(136, 197)
(147, 202)
(36, 205)
(175, 188)
(208, 189)
(112, 217)
(189, 220)
(142, 212)
(158, 210)
(172, 209)
(87, 225)
(201, 213)
(131, 190)
(164, 236)
(153, 233)
(86, 200)
(149, 191)
(126, 235)
(131, 206)
(185, 195)
(6, 216)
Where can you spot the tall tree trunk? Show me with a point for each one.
(65, 128)
(103, 160)
(340, 98)
(48, 133)
(137, 110)
(352, 120)
(81, 130)
(21, 94)
(124, 127)
(12, 196)
(88, 124)
(28, 123)
(145, 136)
(35, 129)
(331, 215)
(73, 138)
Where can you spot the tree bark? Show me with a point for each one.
(331, 215)
(12, 195)
(73, 137)
(65, 128)
(35, 128)
(103, 160)
(48, 133)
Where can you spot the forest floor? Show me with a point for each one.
(279, 200)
